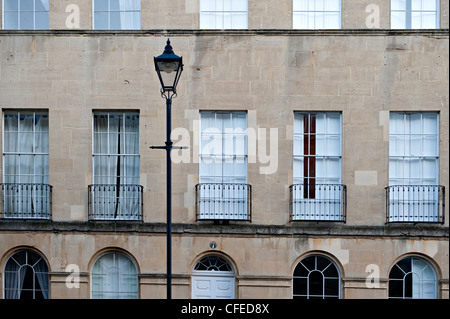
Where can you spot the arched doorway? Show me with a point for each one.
(213, 277)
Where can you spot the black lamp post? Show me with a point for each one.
(169, 67)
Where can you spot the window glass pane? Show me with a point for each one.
(319, 20)
(101, 20)
(239, 5)
(26, 20)
(398, 4)
(207, 5)
(11, 20)
(27, 5)
(430, 146)
(417, 4)
(10, 141)
(429, 20)
(319, 5)
(117, 5)
(300, 5)
(11, 5)
(41, 142)
(430, 123)
(416, 20)
(398, 20)
(42, 5)
(332, 5)
(239, 21)
(42, 21)
(331, 20)
(299, 20)
(226, 5)
(101, 5)
(429, 5)
(115, 22)
(430, 170)
(135, 18)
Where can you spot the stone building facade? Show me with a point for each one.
(372, 93)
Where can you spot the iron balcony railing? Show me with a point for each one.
(415, 204)
(318, 202)
(26, 201)
(223, 201)
(115, 202)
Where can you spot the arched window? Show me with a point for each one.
(26, 276)
(213, 278)
(114, 276)
(412, 278)
(316, 277)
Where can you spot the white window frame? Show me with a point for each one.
(223, 139)
(109, 12)
(408, 156)
(115, 196)
(324, 278)
(123, 175)
(34, 11)
(414, 193)
(44, 177)
(219, 15)
(419, 282)
(318, 194)
(408, 12)
(319, 9)
(223, 192)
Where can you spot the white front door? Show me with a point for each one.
(213, 285)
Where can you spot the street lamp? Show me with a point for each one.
(169, 67)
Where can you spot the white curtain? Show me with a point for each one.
(25, 152)
(116, 165)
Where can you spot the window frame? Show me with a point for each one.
(19, 153)
(223, 158)
(407, 119)
(422, 282)
(314, 13)
(115, 254)
(408, 12)
(123, 175)
(302, 156)
(32, 266)
(221, 14)
(109, 11)
(34, 11)
(331, 262)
